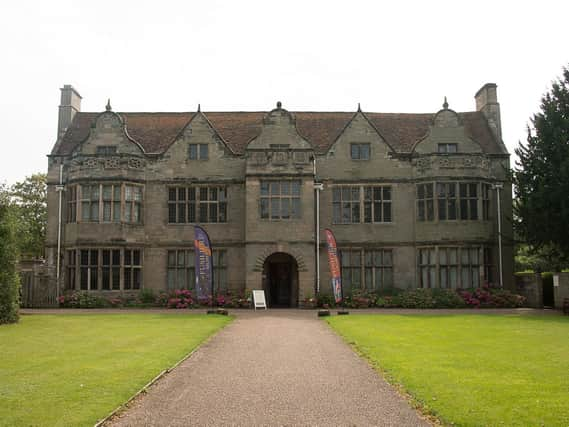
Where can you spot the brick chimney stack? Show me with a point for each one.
(487, 103)
(70, 105)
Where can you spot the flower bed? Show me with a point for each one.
(483, 297)
(177, 299)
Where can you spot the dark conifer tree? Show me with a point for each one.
(541, 176)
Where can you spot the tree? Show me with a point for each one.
(30, 201)
(541, 177)
(9, 279)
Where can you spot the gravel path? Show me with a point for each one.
(279, 367)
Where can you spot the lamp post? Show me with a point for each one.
(60, 189)
(498, 187)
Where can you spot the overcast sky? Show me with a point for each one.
(396, 56)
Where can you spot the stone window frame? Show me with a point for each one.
(469, 196)
(179, 270)
(204, 203)
(132, 201)
(174, 267)
(449, 266)
(198, 151)
(110, 269)
(71, 198)
(488, 262)
(378, 268)
(445, 201)
(362, 270)
(356, 152)
(427, 267)
(98, 200)
(425, 201)
(447, 148)
(131, 263)
(273, 193)
(360, 201)
(71, 267)
(485, 194)
(435, 265)
(110, 203)
(86, 269)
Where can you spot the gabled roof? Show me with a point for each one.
(155, 132)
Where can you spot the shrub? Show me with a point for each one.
(80, 299)
(447, 298)
(385, 302)
(416, 298)
(309, 302)
(180, 298)
(388, 292)
(147, 296)
(359, 299)
(162, 299)
(234, 300)
(489, 297)
(9, 279)
(325, 301)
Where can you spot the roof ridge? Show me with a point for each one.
(155, 131)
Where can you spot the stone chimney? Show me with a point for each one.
(70, 105)
(487, 103)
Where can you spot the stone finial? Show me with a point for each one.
(445, 104)
(108, 106)
(359, 108)
(199, 108)
(279, 105)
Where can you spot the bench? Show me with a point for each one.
(566, 306)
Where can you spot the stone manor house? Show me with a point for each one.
(411, 198)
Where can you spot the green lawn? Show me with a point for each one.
(472, 370)
(72, 370)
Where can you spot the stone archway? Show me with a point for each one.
(280, 280)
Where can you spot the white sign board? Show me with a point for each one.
(259, 299)
(556, 280)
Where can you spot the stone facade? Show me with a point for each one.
(411, 198)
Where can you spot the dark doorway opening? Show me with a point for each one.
(548, 294)
(280, 280)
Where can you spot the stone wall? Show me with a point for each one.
(280, 152)
(530, 286)
(560, 288)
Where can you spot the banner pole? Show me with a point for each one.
(205, 236)
(212, 275)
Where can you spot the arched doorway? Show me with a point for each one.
(280, 280)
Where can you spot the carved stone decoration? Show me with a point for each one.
(423, 164)
(108, 121)
(260, 158)
(112, 163)
(135, 163)
(445, 163)
(468, 162)
(485, 164)
(74, 165)
(300, 157)
(91, 163)
(280, 158)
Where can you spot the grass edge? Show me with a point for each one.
(143, 390)
(424, 410)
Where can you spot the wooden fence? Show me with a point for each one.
(38, 287)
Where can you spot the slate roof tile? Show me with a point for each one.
(155, 132)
